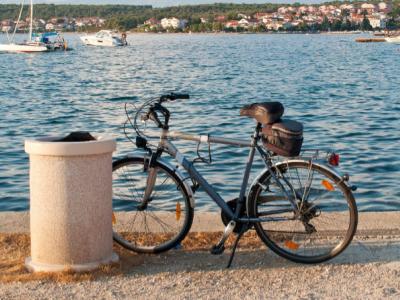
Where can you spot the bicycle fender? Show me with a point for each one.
(178, 173)
(320, 165)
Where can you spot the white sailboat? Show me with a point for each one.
(28, 46)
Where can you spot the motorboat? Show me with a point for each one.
(393, 39)
(105, 38)
(52, 40)
(27, 46)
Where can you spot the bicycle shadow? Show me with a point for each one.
(175, 261)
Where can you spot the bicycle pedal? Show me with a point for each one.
(217, 250)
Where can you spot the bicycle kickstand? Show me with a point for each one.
(240, 234)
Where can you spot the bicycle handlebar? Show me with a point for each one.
(173, 96)
(157, 107)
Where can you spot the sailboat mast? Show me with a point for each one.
(31, 25)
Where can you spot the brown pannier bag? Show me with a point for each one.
(283, 138)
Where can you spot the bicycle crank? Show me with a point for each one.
(220, 247)
(226, 219)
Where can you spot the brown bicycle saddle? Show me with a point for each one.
(264, 113)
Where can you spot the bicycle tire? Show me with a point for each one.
(294, 239)
(168, 216)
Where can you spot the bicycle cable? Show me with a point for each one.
(199, 158)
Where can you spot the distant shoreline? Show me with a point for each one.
(224, 33)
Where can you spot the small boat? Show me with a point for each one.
(105, 38)
(52, 40)
(393, 39)
(370, 40)
(28, 46)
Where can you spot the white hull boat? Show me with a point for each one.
(393, 39)
(24, 48)
(29, 46)
(106, 38)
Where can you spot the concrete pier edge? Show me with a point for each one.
(379, 223)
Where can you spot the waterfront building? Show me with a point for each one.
(174, 23)
(377, 22)
(152, 23)
(243, 23)
(232, 24)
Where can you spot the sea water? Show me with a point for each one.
(345, 93)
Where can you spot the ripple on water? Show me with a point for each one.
(344, 92)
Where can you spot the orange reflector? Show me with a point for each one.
(114, 220)
(178, 211)
(327, 185)
(291, 245)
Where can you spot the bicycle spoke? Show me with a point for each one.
(323, 226)
(151, 226)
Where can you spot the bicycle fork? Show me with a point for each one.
(150, 183)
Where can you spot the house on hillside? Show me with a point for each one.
(232, 24)
(152, 23)
(385, 7)
(174, 23)
(377, 22)
(349, 7)
(220, 19)
(260, 16)
(369, 8)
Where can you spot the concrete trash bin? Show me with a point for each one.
(70, 204)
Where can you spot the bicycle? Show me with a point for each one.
(300, 207)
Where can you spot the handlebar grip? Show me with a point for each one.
(180, 96)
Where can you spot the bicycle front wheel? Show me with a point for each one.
(156, 224)
(326, 220)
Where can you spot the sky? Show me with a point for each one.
(160, 3)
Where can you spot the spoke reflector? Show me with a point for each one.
(291, 245)
(327, 185)
(114, 220)
(178, 211)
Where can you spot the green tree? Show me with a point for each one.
(365, 24)
(325, 25)
(346, 25)
(336, 25)
(217, 26)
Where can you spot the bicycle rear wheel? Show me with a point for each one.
(152, 226)
(327, 220)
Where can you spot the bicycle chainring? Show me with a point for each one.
(225, 218)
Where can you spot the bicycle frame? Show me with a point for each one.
(166, 145)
